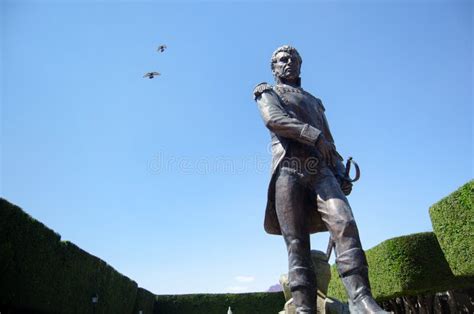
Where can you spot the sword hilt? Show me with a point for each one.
(348, 170)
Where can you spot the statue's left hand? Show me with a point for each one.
(346, 187)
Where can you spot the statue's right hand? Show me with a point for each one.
(326, 149)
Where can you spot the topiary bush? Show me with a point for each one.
(453, 223)
(40, 273)
(262, 303)
(407, 265)
(29, 260)
(145, 302)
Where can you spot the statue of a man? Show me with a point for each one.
(308, 187)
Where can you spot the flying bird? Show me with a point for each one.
(151, 75)
(162, 48)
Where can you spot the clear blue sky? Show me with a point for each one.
(166, 179)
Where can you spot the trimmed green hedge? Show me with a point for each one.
(453, 224)
(407, 265)
(28, 261)
(262, 303)
(145, 302)
(39, 272)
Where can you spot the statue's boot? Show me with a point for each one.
(304, 299)
(353, 269)
(301, 276)
(360, 296)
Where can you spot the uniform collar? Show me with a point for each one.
(289, 88)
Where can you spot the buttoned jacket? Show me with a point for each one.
(292, 115)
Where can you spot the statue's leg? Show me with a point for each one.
(350, 257)
(293, 219)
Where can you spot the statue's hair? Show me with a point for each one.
(285, 48)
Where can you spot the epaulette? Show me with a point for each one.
(260, 88)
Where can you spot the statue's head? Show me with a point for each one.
(286, 64)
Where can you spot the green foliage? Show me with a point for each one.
(453, 224)
(39, 272)
(336, 288)
(28, 260)
(407, 265)
(262, 303)
(145, 301)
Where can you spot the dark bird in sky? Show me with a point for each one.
(151, 75)
(161, 48)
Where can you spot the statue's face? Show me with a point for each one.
(287, 66)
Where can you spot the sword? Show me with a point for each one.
(348, 170)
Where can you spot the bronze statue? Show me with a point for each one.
(308, 187)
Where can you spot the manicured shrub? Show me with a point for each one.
(407, 265)
(30, 255)
(262, 303)
(39, 272)
(453, 223)
(145, 302)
